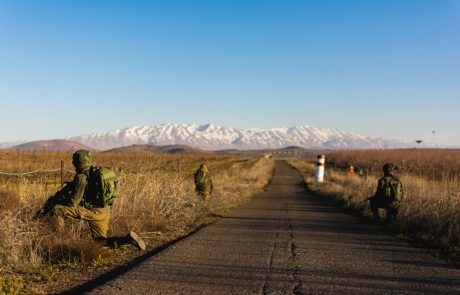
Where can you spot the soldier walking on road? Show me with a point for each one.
(388, 196)
(88, 197)
(203, 182)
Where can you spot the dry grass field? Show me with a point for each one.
(156, 199)
(430, 210)
(431, 164)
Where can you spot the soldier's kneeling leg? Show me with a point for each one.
(374, 204)
(392, 211)
(60, 212)
(206, 196)
(98, 219)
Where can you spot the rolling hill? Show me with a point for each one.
(51, 145)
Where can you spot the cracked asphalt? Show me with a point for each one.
(287, 241)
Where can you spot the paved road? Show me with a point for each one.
(288, 241)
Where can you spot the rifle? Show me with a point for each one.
(59, 198)
(185, 178)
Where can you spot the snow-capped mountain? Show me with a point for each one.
(214, 137)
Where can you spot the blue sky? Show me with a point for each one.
(381, 68)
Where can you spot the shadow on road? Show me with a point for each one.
(120, 270)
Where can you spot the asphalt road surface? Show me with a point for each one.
(287, 241)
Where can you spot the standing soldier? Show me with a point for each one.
(81, 199)
(203, 182)
(388, 196)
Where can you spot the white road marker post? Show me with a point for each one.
(320, 162)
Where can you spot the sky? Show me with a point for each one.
(380, 68)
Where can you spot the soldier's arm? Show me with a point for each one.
(80, 182)
(379, 191)
(195, 177)
(402, 188)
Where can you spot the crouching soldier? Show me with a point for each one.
(388, 196)
(203, 182)
(88, 197)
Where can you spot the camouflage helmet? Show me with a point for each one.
(81, 159)
(388, 168)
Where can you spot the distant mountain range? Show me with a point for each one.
(164, 149)
(212, 137)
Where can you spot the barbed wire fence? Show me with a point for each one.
(62, 170)
(34, 172)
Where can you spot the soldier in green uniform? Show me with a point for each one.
(76, 201)
(203, 182)
(388, 196)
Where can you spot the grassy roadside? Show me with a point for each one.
(156, 199)
(419, 224)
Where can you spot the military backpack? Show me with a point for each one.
(392, 188)
(200, 177)
(102, 185)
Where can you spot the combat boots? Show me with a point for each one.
(137, 241)
(130, 239)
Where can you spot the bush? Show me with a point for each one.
(11, 284)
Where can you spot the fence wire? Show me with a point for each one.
(34, 172)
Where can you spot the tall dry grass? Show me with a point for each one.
(431, 208)
(156, 199)
(431, 164)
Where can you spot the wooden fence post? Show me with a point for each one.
(179, 167)
(62, 172)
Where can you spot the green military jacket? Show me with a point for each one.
(203, 182)
(390, 189)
